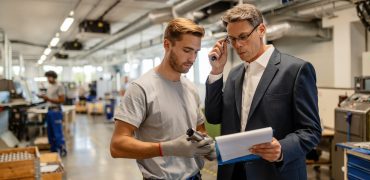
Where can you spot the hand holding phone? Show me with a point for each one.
(218, 56)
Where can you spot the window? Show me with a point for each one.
(146, 65)
(190, 74)
(157, 61)
(57, 69)
(134, 69)
(89, 71)
(16, 70)
(204, 66)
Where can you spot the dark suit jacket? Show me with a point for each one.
(285, 99)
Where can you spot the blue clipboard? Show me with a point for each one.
(250, 157)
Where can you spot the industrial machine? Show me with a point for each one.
(352, 123)
(16, 97)
(71, 92)
(7, 138)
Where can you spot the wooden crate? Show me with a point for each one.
(95, 108)
(42, 143)
(81, 108)
(22, 168)
(53, 176)
(52, 158)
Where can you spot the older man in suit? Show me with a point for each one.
(269, 89)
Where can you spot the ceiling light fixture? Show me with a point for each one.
(67, 24)
(54, 41)
(47, 51)
(43, 58)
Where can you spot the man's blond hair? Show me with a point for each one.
(180, 26)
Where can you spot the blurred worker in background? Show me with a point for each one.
(55, 97)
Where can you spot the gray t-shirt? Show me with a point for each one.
(162, 110)
(54, 91)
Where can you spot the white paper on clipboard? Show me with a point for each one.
(237, 145)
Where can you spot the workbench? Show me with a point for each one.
(356, 161)
(69, 115)
(326, 136)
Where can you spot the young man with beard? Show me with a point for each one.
(269, 89)
(159, 107)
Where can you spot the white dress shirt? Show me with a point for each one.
(252, 76)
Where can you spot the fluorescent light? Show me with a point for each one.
(43, 58)
(67, 24)
(39, 61)
(47, 51)
(54, 41)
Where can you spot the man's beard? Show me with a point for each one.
(175, 65)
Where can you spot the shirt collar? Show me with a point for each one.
(264, 58)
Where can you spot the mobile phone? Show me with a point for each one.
(214, 58)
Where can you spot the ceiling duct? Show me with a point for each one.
(151, 18)
(157, 1)
(185, 7)
(212, 11)
(294, 29)
(306, 10)
(267, 5)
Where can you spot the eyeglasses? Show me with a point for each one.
(241, 38)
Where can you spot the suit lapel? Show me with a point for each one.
(267, 77)
(239, 88)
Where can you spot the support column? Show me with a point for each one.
(344, 65)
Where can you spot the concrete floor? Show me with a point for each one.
(89, 157)
(88, 153)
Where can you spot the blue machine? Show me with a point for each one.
(357, 160)
(109, 108)
(352, 123)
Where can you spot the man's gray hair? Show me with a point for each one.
(243, 12)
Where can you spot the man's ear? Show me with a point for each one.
(167, 44)
(262, 30)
